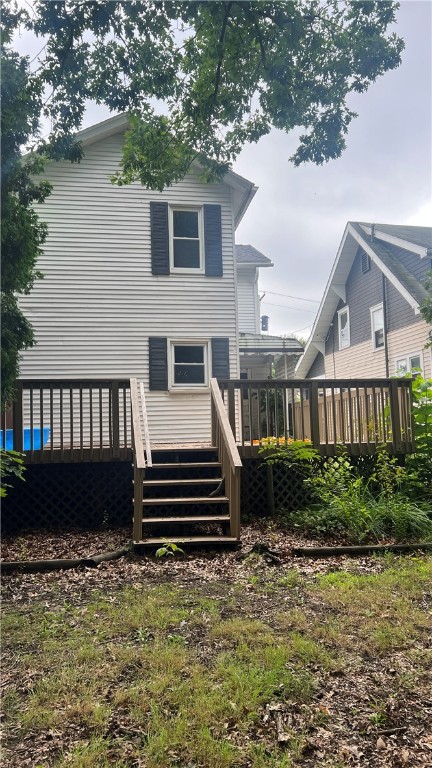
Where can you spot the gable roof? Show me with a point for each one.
(243, 190)
(415, 239)
(385, 254)
(247, 254)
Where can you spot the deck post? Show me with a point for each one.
(115, 415)
(17, 419)
(314, 415)
(395, 416)
(138, 503)
(231, 406)
(234, 504)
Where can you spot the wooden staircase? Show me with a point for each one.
(177, 505)
(185, 494)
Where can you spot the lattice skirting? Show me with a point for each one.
(66, 496)
(288, 491)
(92, 495)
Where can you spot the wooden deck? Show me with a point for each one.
(190, 491)
(69, 421)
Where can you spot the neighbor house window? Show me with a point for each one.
(377, 324)
(189, 364)
(186, 242)
(344, 328)
(409, 364)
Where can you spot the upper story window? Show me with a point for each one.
(186, 241)
(377, 325)
(189, 364)
(344, 328)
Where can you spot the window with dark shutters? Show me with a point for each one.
(183, 239)
(159, 238)
(213, 240)
(158, 364)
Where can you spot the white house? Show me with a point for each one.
(144, 284)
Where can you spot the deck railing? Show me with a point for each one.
(142, 457)
(229, 457)
(359, 414)
(69, 420)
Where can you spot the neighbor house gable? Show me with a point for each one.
(395, 263)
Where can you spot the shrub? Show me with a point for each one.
(11, 465)
(418, 482)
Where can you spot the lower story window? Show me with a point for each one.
(409, 364)
(189, 364)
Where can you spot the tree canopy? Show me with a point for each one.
(22, 235)
(198, 79)
(201, 79)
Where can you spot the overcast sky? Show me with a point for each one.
(298, 215)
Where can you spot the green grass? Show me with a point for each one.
(175, 677)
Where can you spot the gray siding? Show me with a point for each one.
(399, 313)
(317, 368)
(362, 292)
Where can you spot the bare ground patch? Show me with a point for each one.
(215, 659)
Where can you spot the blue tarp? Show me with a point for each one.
(27, 439)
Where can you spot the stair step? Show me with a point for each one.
(190, 519)
(188, 464)
(187, 500)
(149, 542)
(197, 481)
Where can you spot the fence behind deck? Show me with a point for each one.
(360, 414)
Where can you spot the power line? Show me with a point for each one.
(285, 306)
(287, 296)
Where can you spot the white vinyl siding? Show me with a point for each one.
(248, 300)
(99, 303)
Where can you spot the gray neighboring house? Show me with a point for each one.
(369, 322)
(260, 353)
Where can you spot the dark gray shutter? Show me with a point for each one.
(213, 240)
(158, 364)
(220, 358)
(159, 238)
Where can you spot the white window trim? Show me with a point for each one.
(172, 387)
(186, 270)
(341, 312)
(407, 357)
(373, 309)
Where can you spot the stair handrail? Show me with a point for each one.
(140, 442)
(229, 457)
(218, 409)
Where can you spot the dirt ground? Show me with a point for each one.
(373, 710)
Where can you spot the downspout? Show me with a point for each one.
(384, 300)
